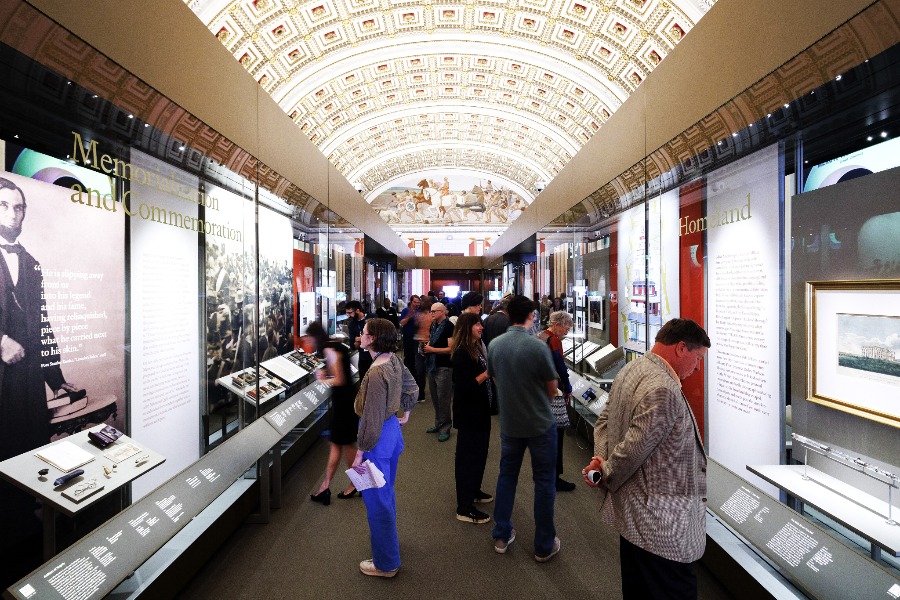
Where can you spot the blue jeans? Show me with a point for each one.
(381, 505)
(543, 472)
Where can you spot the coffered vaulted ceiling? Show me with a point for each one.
(507, 89)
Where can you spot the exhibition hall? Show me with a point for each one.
(230, 226)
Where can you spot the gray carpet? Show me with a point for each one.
(312, 551)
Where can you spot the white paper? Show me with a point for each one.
(65, 456)
(371, 478)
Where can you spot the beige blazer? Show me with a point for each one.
(655, 471)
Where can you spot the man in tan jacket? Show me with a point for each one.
(652, 467)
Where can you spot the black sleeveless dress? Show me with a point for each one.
(344, 421)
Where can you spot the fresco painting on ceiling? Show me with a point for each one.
(451, 198)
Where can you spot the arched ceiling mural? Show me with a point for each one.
(398, 94)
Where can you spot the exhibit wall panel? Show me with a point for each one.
(64, 300)
(830, 242)
(648, 291)
(165, 328)
(743, 222)
(691, 282)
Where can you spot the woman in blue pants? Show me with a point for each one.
(387, 388)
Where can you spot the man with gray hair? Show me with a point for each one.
(438, 370)
(560, 324)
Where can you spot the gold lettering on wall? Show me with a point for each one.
(91, 157)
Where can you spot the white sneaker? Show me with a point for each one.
(553, 552)
(501, 546)
(368, 567)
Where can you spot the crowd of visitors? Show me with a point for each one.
(646, 440)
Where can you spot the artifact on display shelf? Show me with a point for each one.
(606, 358)
(245, 384)
(105, 436)
(854, 462)
(853, 328)
(64, 455)
(83, 490)
(293, 366)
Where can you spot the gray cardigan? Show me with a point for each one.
(386, 389)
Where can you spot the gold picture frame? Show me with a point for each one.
(853, 360)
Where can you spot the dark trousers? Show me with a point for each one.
(410, 350)
(419, 373)
(560, 436)
(471, 457)
(646, 576)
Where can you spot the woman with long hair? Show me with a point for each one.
(387, 388)
(471, 416)
(344, 422)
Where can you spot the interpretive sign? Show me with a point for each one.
(290, 413)
(814, 561)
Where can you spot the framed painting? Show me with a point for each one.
(853, 347)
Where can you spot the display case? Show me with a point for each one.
(170, 274)
(767, 222)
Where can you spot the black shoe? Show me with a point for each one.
(483, 497)
(472, 515)
(323, 497)
(352, 494)
(564, 486)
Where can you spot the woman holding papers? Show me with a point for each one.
(387, 388)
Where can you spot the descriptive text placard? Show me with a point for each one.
(813, 560)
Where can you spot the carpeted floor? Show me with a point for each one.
(313, 551)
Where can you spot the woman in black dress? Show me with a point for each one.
(344, 422)
(471, 416)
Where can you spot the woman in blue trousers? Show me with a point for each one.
(387, 388)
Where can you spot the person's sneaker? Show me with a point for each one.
(564, 486)
(368, 568)
(501, 546)
(553, 552)
(483, 497)
(421, 400)
(443, 437)
(472, 515)
(432, 430)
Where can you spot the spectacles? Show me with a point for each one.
(88, 485)
(437, 311)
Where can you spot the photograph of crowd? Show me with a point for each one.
(233, 342)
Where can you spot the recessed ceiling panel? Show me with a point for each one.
(508, 90)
